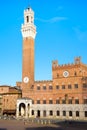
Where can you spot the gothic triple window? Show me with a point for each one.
(63, 101)
(50, 101)
(76, 85)
(69, 86)
(84, 85)
(38, 101)
(76, 101)
(63, 86)
(38, 87)
(44, 87)
(57, 101)
(57, 86)
(44, 101)
(70, 101)
(85, 101)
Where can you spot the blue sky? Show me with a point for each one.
(61, 35)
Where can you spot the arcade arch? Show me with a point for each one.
(24, 108)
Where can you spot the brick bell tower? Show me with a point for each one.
(28, 30)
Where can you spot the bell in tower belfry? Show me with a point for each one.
(28, 30)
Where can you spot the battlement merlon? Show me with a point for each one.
(77, 62)
(54, 63)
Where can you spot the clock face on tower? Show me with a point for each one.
(26, 79)
(65, 74)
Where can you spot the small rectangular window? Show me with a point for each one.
(69, 86)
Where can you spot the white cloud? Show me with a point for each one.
(52, 20)
(81, 35)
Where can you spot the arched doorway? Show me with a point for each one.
(22, 109)
(70, 113)
(38, 113)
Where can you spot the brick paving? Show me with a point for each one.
(21, 125)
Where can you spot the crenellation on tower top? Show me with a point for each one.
(29, 16)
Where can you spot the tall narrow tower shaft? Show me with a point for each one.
(28, 32)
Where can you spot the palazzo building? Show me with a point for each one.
(63, 97)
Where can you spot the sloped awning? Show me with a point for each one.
(9, 111)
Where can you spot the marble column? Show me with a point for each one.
(74, 114)
(30, 112)
(54, 113)
(41, 113)
(82, 115)
(67, 114)
(47, 113)
(35, 113)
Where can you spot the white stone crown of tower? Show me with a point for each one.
(28, 29)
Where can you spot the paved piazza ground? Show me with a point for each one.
(21, 125)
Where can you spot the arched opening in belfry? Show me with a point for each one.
(27, 19)
(22, 109)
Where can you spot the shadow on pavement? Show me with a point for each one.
(45, 128)
(81, 125)
(3, 129)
